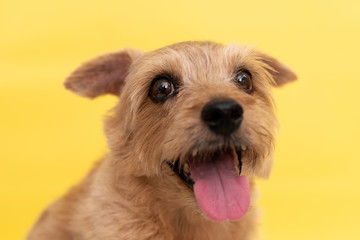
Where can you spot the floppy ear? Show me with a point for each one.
(280, 72)
(103, 75)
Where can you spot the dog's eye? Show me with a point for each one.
(161, 89)
(244, 80)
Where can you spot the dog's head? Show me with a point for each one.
(201, 109)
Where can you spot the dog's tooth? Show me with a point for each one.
(237, 167)
(243, 147)
(186, 168)
(234, 153)
(194, 152)
(236, 161)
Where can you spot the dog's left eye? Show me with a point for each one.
(161, 89)
(244, 80)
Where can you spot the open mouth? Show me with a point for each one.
(183, 170)
(221, 192)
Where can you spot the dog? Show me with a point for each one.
(193, 127)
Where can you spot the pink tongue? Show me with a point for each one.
(221, 193)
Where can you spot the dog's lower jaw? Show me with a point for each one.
(214, 177)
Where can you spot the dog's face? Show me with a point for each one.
(201, 109)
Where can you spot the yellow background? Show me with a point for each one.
(49, 138)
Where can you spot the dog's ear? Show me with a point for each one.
(102, 75)
(280, 72)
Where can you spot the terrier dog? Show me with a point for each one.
(193, 127)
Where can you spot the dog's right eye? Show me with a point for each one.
(162, 88)
(244, 80)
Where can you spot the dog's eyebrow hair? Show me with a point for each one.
(244, 69)
(173, 75)
(166, 74)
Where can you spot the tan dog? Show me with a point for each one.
(193, 126)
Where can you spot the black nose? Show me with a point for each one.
(222, 116)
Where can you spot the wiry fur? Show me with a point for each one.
(132, 193)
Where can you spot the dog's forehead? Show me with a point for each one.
(196, 61)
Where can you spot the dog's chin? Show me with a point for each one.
(214, 176)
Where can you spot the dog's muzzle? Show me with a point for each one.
(214, 175)
(222, 193)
